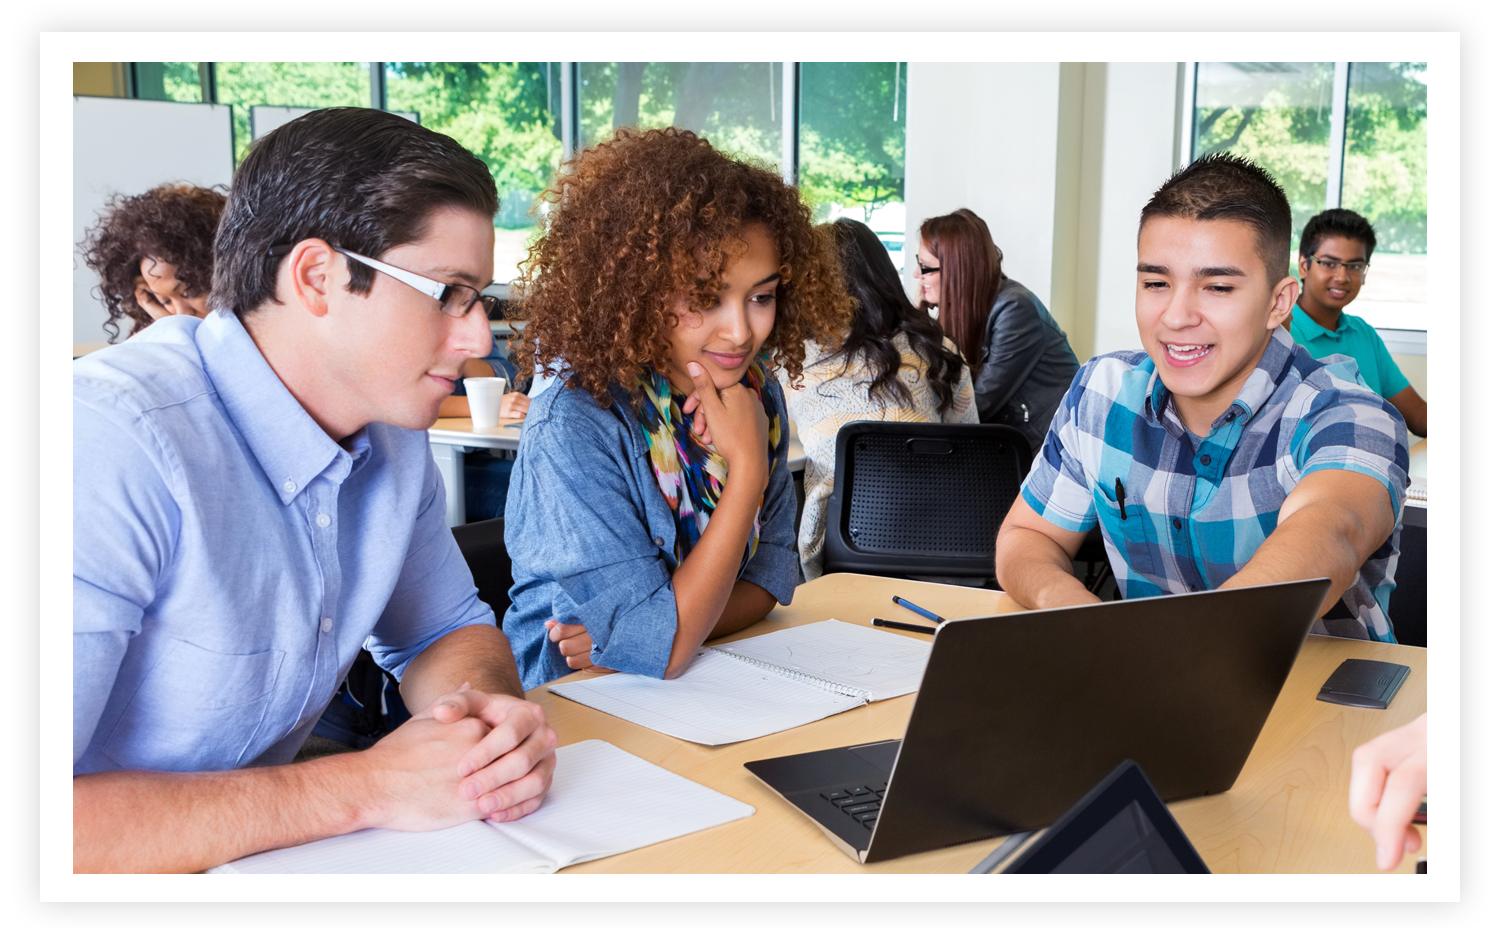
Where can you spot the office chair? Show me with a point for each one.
(921, 499)
(1408, 603)
(483, 546)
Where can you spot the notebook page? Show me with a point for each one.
(605, 801)
(471, 847)
(883, 664)
(717, 700)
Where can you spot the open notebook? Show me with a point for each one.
(603, 801)
(763, 684)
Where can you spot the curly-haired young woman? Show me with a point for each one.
(154, 254)
(650, 507)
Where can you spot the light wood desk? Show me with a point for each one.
(451, 437)
(1287, 812)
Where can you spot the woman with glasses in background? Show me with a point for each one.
(1333, 260)
(1020, 358)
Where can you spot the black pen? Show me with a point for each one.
(897, 625)
(1120, 496)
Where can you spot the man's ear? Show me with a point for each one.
(1283, 298)
(309, 274)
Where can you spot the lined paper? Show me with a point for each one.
(884, 665)
(603, 801)
(718, 700)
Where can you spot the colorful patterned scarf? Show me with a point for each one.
(690, 474)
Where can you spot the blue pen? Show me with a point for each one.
(915, 609)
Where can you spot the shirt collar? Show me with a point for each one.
(291, 448)
(1256, 390)
(1305, 329)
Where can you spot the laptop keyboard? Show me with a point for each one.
(859, 801)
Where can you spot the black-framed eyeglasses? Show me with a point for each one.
(1331, 266)
(928, 269)
(455, 300)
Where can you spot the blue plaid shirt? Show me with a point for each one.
(1196, 510)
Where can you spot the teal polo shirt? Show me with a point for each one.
(1356, 339)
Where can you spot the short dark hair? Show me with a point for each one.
(361, 179)
(1336, 222)
(1222, 186)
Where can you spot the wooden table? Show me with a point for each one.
(1288, 811)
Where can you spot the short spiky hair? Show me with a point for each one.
(1336, 222)
(1227, 187)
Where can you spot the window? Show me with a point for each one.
(852, 145)
(287, 84)
(508, 114)
(1288, 118)
(177, 81)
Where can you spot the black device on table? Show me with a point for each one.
(1020, 714)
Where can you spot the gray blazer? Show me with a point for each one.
(1025, 364)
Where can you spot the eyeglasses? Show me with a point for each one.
(455, 300)
(928, 269)
(1331, 266)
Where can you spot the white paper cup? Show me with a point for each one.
(484, 400)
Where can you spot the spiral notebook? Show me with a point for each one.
(763, 684)
(603, 801)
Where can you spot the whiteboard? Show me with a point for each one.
(128, 147)
(265, 119)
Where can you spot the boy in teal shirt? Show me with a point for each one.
(1333, 261)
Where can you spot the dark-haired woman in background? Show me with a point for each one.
(1021, 359)
(154, 254)
(894, 364)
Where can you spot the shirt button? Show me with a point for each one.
(323, 519)
(289, 486)
(327, 624)
(1205, 460)
(659, 541)
(1176, 524)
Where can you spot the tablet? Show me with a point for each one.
(1120, 826)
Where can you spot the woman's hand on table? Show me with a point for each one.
(513, 406)
(575, 644)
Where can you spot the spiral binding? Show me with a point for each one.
(795, 675)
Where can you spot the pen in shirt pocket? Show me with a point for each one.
(1120, 496)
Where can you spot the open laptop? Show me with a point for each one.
(1019, 715)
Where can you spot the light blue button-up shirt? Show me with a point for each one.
(591, 537)
(230, 559)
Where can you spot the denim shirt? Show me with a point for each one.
(591, 538)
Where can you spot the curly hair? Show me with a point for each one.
(173, 223)
(645, 220)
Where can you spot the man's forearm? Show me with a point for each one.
(170, 822)
(1314, 542)
(1035, 571)
(479, 655)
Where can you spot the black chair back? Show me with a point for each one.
(921, 498)
(1408, 604)
(483, 546)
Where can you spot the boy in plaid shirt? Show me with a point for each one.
(1224, 455)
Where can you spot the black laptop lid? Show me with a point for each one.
(1019, 715)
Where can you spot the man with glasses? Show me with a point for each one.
(254, 501)
(1334, 260)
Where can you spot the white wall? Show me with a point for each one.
(1058, 158)
(984, 136)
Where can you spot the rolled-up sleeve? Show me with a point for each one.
(582, 551)
(774, 565)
